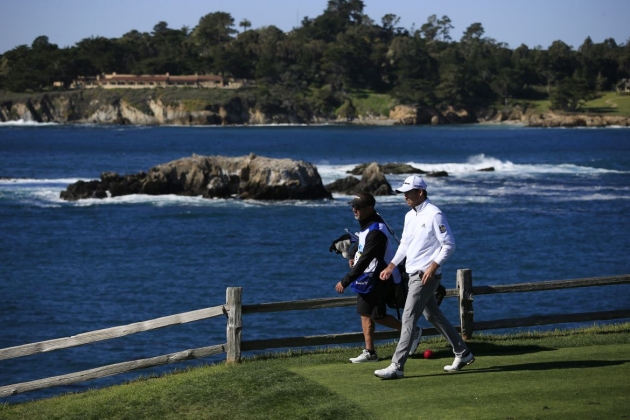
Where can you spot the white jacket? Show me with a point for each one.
(426, 237)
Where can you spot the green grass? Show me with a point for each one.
(609, 104)
(577, 374)
(367, 102)
(542, 106)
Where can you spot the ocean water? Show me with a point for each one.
(555, 207)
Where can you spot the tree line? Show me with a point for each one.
(340, 51)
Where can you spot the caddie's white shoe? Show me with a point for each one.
(390, 372)
(460, 361)
(415, 340)
(364, 357)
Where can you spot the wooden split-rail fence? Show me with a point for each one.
(233, 310)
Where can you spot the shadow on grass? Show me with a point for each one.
(487, 349)
(598, 110)
(493, 349)
(573, 364)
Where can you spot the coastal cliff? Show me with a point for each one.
(110, 108)
(146, 108)
(408, 115)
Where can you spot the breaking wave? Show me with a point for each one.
(24, 123)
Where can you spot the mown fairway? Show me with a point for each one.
(563, 383)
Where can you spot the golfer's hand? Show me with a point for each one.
(386, 273)
(429, 273)
(339, 288)
(425, 278)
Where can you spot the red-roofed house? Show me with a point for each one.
(147, 81)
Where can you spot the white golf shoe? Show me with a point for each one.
(364, 357)
(390, 372)
(460, 362)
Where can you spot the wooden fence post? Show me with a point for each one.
(464, 284)
(234, 324)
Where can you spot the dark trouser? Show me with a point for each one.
(421, 300)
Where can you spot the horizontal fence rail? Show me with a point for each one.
(234, 310)
(467, 292)
(106, 334)
(110, 370)
(299, 305)
(552, 285)
(551, 319)
(109, 333)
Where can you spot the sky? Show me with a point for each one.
(514, 22)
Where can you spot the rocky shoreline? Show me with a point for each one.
(77, 108)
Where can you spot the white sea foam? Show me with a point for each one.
(476, 163)
(590, 197)
(473, 166)
(197, 201)
(34, 182)
(329, 173)
(244, 126)
(157, 200)
(598, 128)
(23, 123)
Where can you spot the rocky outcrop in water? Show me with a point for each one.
(372, 180)
(437, 174)
(248, 177)
(396, 169)
(389, 168)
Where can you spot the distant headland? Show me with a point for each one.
(207, 107)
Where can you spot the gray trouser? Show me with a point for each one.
(421, 300)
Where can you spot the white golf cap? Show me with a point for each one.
(413, 182)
